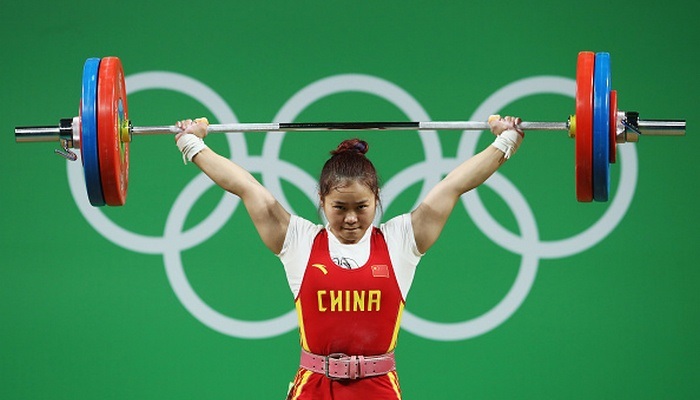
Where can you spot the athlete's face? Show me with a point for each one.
(350, 210)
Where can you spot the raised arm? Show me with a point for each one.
(268, 215)
(430, 216)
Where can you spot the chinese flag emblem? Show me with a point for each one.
(380, 271)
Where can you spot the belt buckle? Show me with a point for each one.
(326, 363)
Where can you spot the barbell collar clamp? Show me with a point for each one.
(630, 127)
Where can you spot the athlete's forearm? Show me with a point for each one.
(473, 172)
(225, 173)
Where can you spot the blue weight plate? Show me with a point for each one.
(88, 141)
(601, 127)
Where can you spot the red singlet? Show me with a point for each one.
(351, 311)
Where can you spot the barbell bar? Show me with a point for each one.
(103, 132)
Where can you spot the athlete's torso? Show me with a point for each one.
(350, 311)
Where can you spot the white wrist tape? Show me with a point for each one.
(508, 142)
(190, 145)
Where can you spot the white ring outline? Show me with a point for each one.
(337, 84)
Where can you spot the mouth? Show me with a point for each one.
(349, 235)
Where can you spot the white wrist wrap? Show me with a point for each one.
(508, 142)
(189, 146)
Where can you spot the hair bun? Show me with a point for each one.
(354, 145)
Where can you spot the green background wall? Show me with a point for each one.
(84, 315)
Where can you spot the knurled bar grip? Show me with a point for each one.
(348, 126)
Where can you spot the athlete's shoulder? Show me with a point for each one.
(301, 229)
(399, 225)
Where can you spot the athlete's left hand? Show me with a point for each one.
(500, 124)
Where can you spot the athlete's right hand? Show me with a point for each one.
(500, 124)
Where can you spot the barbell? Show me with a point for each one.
(103, 132)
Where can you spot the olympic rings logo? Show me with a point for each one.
(272, 169)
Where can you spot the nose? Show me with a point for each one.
(350, 218)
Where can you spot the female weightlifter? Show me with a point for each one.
(349, 278)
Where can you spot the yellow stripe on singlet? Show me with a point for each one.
(395, 335)
(302, 332)
(395, 384)
(299, 384)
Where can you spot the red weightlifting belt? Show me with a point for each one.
(343, 366)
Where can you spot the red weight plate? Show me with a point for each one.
(111, 116)
(613, 126)
(584, 126)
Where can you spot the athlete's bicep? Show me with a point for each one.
(269, 217)
(429, 218)
(296, 250)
